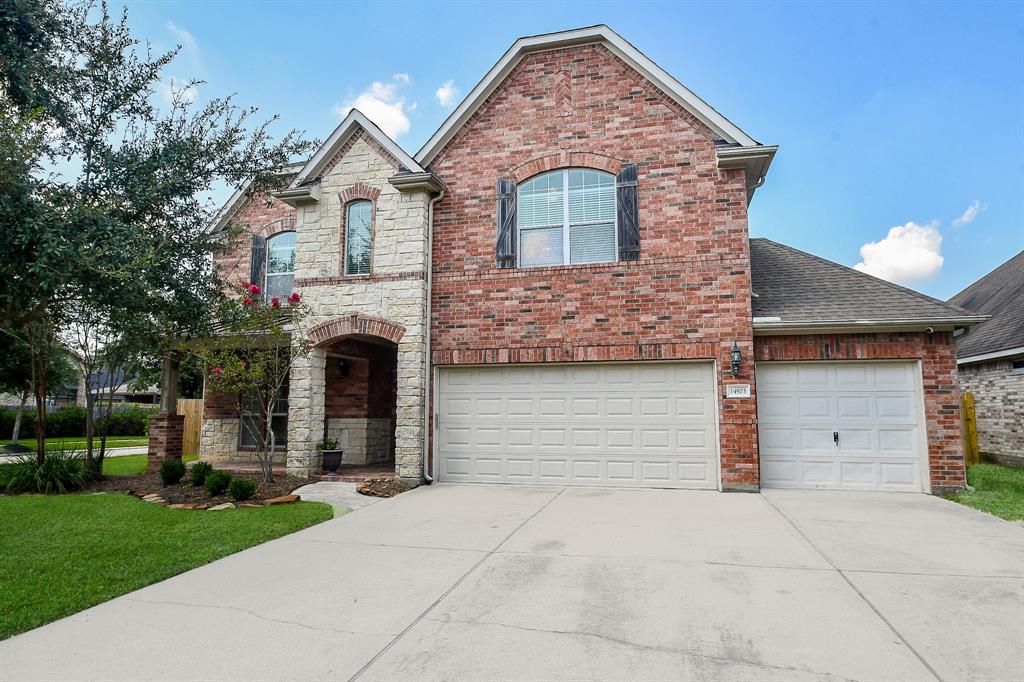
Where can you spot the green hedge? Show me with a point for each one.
(69, 421)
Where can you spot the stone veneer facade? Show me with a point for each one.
(998, 391)
(386, 307)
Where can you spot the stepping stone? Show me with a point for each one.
(284, 499)
(219, 507)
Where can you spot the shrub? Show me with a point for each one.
(28, 422)
(60, 472)
(242, 489)
(217, 482)
(67, 421)
(128, 420)
(172, 470)
(200, 470)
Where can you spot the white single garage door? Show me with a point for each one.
(844, 425)
(648, 424)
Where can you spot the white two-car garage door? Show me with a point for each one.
(648, 424)
(844, 425)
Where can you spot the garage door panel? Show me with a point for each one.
(873, 406)
(619, 424)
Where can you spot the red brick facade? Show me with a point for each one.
(938, 364)
(687, 297)
(367, 388)
(263, 215)
(166, 437)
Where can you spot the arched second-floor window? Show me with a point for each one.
(280, 277)
(358, 237)
(567, 216)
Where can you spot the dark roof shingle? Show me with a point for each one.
(800, 287)
(1000, 294)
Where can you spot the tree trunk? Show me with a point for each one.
(40, 365)
(17, 419)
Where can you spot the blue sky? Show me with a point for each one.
(907, 116)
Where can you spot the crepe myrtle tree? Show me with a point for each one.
(252, 358)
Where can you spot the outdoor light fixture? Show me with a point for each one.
(737, 358)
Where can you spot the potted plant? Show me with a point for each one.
(328, 448)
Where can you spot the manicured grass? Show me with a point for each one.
(62, 554)
(79, 443)
(997, 490)
(131, 465)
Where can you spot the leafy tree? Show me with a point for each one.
(252, 359)
(105, 192)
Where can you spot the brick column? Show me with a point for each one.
(166, 433)
(166, 427)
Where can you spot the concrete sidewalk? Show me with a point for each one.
(503, 582)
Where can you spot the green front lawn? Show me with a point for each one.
(62, 554)
(79, 443)
(128, 465)
(997, 490)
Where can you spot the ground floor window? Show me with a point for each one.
(254, 421)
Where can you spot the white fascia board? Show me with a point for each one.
(340, 136)
(581, 36)
(768, 326)
(994, 355)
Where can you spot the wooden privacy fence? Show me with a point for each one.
(970, 425)
(193, 411)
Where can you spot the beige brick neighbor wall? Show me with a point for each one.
(999, 408)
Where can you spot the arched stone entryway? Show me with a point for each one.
(362, 386)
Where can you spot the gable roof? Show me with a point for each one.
(345, 130)
(797, 291)
(1000, 294)
(618, 45)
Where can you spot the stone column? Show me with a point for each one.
(306, 413)
(409, 412)
(166, 427)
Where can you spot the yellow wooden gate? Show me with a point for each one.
(193, 411)
(971, 453)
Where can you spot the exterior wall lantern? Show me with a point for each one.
(737, 358)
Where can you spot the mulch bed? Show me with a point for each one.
(383, 486)
(184, 492)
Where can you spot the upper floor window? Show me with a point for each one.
(567, 216)
(280, 278)
(358, 227)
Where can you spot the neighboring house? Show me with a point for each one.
(991, 360)
(575, 239)
(115, 384)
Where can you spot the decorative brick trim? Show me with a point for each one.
(333, 330)
(359, 192)
(277, 227)
(565, 159)
(348, 279)
(580, 353)
(347, 147)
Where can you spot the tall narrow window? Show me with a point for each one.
(280, 265)
(358, 224)
(567, 216)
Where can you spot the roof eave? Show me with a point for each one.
(768, 327)
(994, 355)
(754, 160)
(417, 182)
(703, 111)
(298, 196)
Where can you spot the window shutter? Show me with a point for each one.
(506, 219)
(257, 260)
(628, 213)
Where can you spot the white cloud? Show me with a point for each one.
(383, 104)
(969, 214)
(187, 41)
(909, 253)
(447, 94)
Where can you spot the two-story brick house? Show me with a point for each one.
(597, 312)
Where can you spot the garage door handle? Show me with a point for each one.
(835, 438)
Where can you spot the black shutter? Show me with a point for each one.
(257, 259)
(628, 213)
(506, 219)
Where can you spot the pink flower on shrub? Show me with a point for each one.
(275, 302)
(218, 371)
(253, 289)
(248, 301)
(294, 298)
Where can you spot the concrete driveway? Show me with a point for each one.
(499, 582)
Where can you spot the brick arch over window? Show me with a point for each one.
(359, 191)
(565, 159)
(276, 227)
(332, 330)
